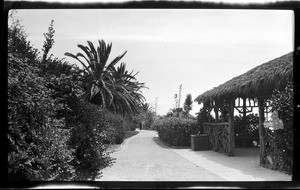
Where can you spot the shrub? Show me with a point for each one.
(115, 127)
(203, 116)
(35, 138)
(176, 131)
(88, 135)
(283, 102)
(37, 141)
(129, 124)
(156, 122)
(247, 127)
(250, 123)
(136, 120)
(149, 118)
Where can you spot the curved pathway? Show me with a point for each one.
(143, 158)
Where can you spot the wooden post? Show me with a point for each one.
(244, 108)
(216, 114)
(222, 113)
(244, 119)
(231, 128)
(208, 114)
(261, 130)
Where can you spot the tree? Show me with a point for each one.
(147, 115)
(97, 69)
(187, 107)
(144, 116)
(109, 87)
(126, 92)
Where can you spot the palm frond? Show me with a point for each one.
(111, 87)
(75, 57)
(116, 60)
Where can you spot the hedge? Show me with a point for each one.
(176, 131)
(115, 127)
(88, 124)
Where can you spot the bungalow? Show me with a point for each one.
(252, 89)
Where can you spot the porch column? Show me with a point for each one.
(231, 128)
(261, 130)
(209, 110)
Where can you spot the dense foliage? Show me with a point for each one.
(88, 123)
(157, 122)
(131, 122)
(116, 127)
(176, 131)
(202, 117)
(53, 133)
(283, 102)
(246, 127)
(144, 116)
(37, 138)
(149, 119)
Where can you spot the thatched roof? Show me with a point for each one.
(257, 82)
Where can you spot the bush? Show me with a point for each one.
(149, 118)
(37, 141)
(247, 127)
(250, 123)
(115, 127)
(88, 135)
(202, 117)
(176, 131)
(156, 122)
(129, 124)
(283, 102)
(93, 130)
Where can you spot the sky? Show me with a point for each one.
(196, 48)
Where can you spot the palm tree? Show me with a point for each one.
(126, 90)
(109, 87)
